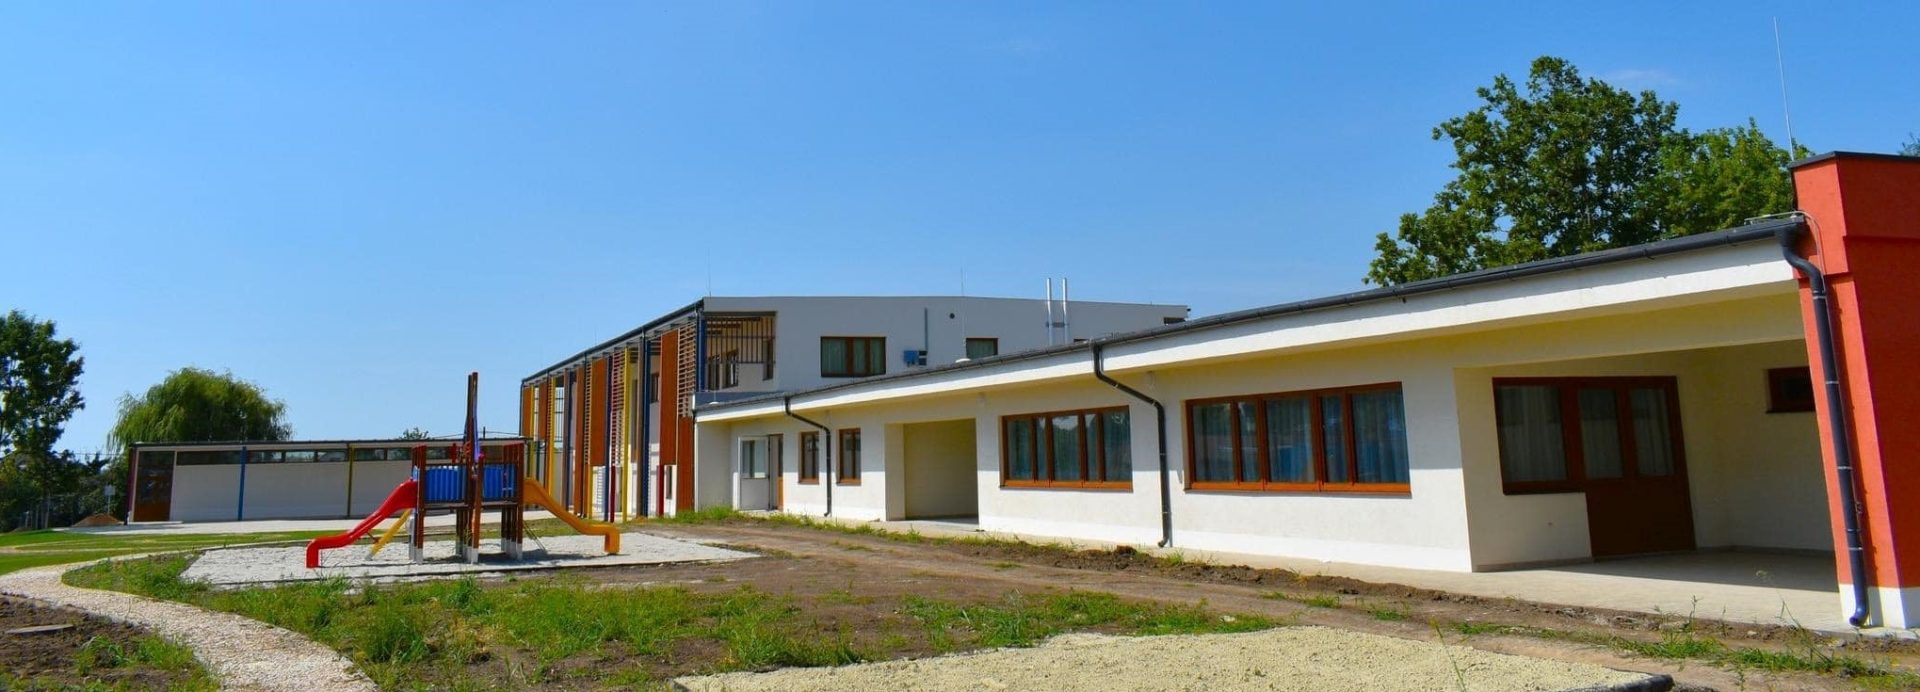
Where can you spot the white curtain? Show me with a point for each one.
(1600, 432)
(1531, 446)
(1652, 431)
(1380, 437)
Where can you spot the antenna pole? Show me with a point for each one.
(1780, 61)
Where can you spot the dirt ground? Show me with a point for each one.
(51, 659)
(869, 574)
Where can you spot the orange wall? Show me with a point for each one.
(1864, 212)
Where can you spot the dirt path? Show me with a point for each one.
(242, 653)
(1379, 609)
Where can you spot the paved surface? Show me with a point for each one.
(163, 528)
(273, 564)
(1291, 658)
(1760, 588)
(242, 653)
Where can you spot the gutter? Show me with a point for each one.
(1843, 471)
(826, 449)
(1159, 433)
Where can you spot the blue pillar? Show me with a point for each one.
(240, 510)
(646, 421)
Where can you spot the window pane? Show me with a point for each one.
(1249, 440)
(1600, 432)
(810, 456)
(1531, 448)
(876, 357)
(752, 465)
(1213, 442)
(982, 348)
(1066, 448)
(1380, 436)
(1333, 427)
(1117, 442)
(1652, 431)
(833, 357)
(1290, 440)
(859, 348)
(1020, 449)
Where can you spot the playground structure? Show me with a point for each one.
(466, 484)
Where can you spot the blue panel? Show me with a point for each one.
(446, 484)
(498, 482)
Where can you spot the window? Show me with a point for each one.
(1338, 439)
(849, 471)
(853, 356)
(723, 371)
(1084, 449)
(753, 458)
(982, 347)
(1557, 434)
(1789, 390)
(809, 457)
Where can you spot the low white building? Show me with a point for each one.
(1647, 399)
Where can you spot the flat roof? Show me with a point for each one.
(1757, 230)
(309, 444)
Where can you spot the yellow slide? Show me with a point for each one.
(538, 495)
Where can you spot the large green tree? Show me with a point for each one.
(193, 405)
(1564, 164)
(39, 384)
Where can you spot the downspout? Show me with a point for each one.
(826, 449)
(1160, 435)
(1836, 420)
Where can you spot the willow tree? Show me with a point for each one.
(1562, 164)
(196, 405)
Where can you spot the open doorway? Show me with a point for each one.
(941, 478)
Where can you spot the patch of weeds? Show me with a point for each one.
(1024, 620)
(1387, 613)
(1174, 559)
(1470, 628)
(705, 515)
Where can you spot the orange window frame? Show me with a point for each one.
(1043, 439)
(1317, 427)
(848, 472)
(1568, 389)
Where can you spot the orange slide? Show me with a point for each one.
(537, 495)
(401, 498)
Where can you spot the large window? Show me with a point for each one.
(853, 356)
(849, 471)
(1335, 439)
(982, 347)
(1557, 434)
(753, 458)
(809, 457)
(1084, 449)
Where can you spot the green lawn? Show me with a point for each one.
(25, 549)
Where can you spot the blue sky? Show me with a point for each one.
(355, 204)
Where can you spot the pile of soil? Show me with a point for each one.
(50, 659)
(97, 519)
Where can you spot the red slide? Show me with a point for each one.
(401, 498)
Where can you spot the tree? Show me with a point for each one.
(415, 434)
(39, 377)
(1570, 165)
(193, 405)
(1912, 147)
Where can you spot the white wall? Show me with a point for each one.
(942, 478)
(304, 490)
(1019, 324)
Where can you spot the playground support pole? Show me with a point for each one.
(239, 508)
(417, 534)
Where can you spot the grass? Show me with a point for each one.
(427, 634)
(100, 656)
(1309, 600)
(1387, 613)
(24, 549)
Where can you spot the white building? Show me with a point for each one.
(725, 348)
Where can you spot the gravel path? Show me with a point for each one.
(242, 653)
(1288, 658)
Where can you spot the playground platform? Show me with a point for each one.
(232, 567)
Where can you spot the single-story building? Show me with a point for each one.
(1672, 396)
(285, 479)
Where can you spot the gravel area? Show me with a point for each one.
(242, 653)
(1288, 658)
(240, 566)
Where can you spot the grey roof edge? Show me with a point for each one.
(1758, 230)
(1870, 155)
(610, 343)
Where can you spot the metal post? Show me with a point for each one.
(240, 510)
